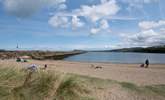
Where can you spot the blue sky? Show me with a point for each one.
(81, 24)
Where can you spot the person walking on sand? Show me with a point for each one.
(146, 63)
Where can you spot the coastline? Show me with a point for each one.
(106, 62)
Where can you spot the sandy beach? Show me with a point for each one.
(120, 72)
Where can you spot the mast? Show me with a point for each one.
(17, 46)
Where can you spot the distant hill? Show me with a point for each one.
(38, 55)
(2, 50)
(154, 49)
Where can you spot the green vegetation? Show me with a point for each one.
(51, 85)
(130, 86)
(154, 49)
(158, 89)
(69, 89)
(42, 85)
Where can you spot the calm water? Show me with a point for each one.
(118, 57)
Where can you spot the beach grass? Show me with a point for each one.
(158, 89)
(130, 86)
(41, 85)
(52, 85)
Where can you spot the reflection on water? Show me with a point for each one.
(118, 57)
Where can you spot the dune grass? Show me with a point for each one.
(152, 92)
(51, 85)
(70, 89)
(130, 86)
(41, 85)
(158, 89)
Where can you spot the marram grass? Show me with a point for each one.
(18, 84)
(41, 85)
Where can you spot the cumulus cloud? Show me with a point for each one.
(145, 25)
(94, 31)
(152, 33)
(96, 12)
(25, 8)
(144, 38)
(59, 21)
(91, 14)
(76, 22)
(65, 22)
(103, 25)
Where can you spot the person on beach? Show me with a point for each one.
(146, 63)
(32, 68)
(45, 66)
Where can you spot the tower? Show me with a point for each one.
(17, 46)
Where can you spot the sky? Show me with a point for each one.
(81, 24)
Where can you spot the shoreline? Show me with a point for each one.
(112, 62)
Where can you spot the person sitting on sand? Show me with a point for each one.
(98, 67)
(45, 66)
(32, 68)
(146, 63)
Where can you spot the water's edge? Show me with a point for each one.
(118, 57)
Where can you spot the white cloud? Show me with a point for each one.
(25, 8)
(65, 22)
(76, 22)
(62, 7)
(103, 26)
(92, 14)
(96, 12)
(94, 31)
(144, 38)
(151, 24)
(152, 33)
(59, 21)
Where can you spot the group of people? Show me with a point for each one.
(146, 64)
